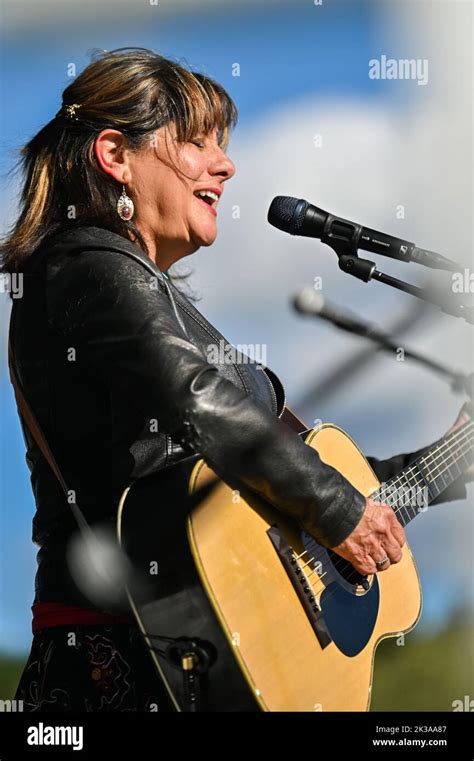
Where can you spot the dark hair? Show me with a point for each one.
(134, 90)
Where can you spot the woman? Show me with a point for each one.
(122, 183)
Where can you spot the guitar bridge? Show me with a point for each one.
(301, 585)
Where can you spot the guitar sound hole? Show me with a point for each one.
(342, 567)
(347, 570)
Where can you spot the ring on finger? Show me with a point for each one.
(381, 563)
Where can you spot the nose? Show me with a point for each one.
(221, 165)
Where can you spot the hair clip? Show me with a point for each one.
(71, 111)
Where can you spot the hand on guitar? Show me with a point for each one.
(464, 416)
(377, 536)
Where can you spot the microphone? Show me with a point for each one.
(298, 217)
(310, 302)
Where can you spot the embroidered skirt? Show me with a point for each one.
(91, 668)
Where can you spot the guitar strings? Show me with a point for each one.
(415, 479)
(443, 445)
(341, 563)
(418, 480)
(460, 436)
(443, 460)
(442, 457)
(453, 439)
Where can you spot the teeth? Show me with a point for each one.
(208, 193)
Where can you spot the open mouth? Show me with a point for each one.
(208, 198)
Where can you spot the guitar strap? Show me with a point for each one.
(29, 421)
(292, 420)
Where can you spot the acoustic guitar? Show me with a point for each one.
(244, 611)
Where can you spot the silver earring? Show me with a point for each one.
(125, 207)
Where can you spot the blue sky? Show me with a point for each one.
(293, 57)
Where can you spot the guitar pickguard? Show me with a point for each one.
(344, 612)
(350, 618)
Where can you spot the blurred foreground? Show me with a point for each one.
(426, 673)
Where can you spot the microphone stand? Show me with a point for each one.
(460, 382)
(365, 270)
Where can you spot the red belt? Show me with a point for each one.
(46, 614)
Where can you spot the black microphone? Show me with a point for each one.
(298, 217)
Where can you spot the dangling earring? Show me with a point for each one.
(125, 207)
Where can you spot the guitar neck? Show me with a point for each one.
(416, 486)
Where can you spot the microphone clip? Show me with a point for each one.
(365, 270)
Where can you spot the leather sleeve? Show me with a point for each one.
(121, 323)
(387, 469)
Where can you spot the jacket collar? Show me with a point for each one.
(92, 238)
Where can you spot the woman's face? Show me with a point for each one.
(165, 177)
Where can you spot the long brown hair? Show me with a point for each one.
(134, 90)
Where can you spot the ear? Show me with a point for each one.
(112, 155)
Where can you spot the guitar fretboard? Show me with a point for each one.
(414, 488)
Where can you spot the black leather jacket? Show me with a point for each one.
(114, 362)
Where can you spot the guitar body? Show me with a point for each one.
(292, 629)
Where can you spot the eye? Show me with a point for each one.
(198, 143)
